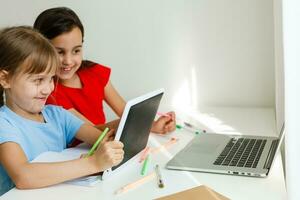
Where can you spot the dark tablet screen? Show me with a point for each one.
(137, 127)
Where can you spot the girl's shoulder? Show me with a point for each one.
(3, 114)
(95, 73)
(56, 113)
(8, 120)
(54, 110)
(92, 67)
(6, 113)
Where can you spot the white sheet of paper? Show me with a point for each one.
(69, 154)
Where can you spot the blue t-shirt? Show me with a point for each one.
(34, 137)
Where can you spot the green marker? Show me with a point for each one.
(190, 128)
(145, 166)
(178, 126)
(100, 138)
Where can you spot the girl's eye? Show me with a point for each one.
(77, 51)
(38, 81)
(60, 52)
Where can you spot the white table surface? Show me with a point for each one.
(250, 121)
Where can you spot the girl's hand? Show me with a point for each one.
(110, 136)
(164, 124)
(108, 154)
(83, 155)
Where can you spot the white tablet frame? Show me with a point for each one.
(128, 106)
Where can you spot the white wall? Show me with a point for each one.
(206, 52)
(291, 35)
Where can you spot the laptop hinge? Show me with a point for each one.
(271, 154)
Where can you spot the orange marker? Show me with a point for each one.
(165, 145)
(136, 183)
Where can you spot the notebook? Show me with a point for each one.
(70, 154)
(228, 154)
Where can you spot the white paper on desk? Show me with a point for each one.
(69, 154)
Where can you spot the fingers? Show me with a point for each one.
(172, 115)
(112, 136)
(171, 126)
(165, 124)
(118, 157)
(111, 133)
(113, 147)
(116, 152)
(83, 155)
(165, 118)
(109, 136)
(109, 154)
(116, 144)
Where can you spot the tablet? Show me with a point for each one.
(135, 125)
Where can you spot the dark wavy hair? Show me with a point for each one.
(56, 21)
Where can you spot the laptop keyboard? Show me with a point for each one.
(242, 152)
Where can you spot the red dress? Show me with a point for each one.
(87, 100)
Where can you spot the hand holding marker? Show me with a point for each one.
(100, 138)
(187, 126)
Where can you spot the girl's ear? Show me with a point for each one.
(4, 80)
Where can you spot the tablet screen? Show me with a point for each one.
(137, 127)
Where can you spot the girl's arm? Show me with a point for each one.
(113, 99)
(162, 125)
(90, 134)
(80, 116)
(27, 175)
(111, 125)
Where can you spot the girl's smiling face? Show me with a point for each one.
(28, 63)
(26, 94)
(69, 48)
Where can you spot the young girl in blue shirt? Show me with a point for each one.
(28, 63)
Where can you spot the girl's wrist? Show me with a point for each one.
(93, 164)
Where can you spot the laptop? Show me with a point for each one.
(228, 154)
(134, 127)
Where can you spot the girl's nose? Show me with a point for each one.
(48, 88)
(67, 59)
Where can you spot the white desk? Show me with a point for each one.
(254, 121)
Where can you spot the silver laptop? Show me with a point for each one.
(228, 154)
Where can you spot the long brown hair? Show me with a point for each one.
(23, 43)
